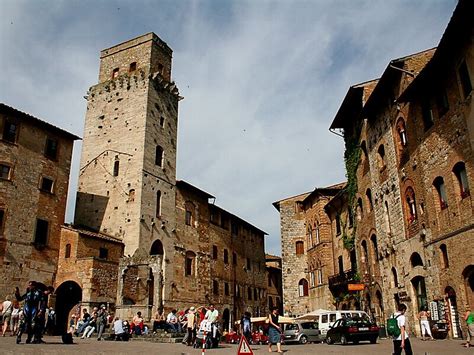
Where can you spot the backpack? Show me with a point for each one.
(392, 326)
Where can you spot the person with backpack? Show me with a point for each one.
(396, 328)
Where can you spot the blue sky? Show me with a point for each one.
(262, 80)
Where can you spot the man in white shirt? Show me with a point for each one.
(172, 321)
(212, 314)
(118, 329)
(402, 342)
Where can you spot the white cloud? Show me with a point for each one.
(262, 80)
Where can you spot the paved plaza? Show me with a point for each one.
(92, 346)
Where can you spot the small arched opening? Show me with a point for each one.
(68, 294)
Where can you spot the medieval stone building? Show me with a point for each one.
(163, 243)
(35, 160)
(403, 223)
(413, 137)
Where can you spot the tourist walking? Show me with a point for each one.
(469, 318)
(102, 317)
(424, 317)
(191, 326)
(401, 342)
(7, 309)
(15, 321)
(274, 330)
(246, 326)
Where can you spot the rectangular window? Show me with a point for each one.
(226, 256)
(249, 264)
(465, 79)
(324, 318)
(255, 294)
(188, 217)
(51, 149)
(162, 122)
(2, 220)
(41, 232)
(214, 217)
(215, 287)
(9, 132)
(158, 204)
(5, 171)
(159, 156)
(442, 103)
(234, 258)
(214, 252)
(320, 276)
(312, 279)
(226, 289)
(224, 221)
(249, 294)
(46, 185)
(427, 115)
(115, 73)
(133, 67)
(103, 253)
(189, 267)
(235, 228)
(338, 225)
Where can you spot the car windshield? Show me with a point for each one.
(358, 321)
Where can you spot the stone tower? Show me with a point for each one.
(128, 164)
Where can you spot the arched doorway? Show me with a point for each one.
(453, 312)
(68, 294)
(468, 276)
(156, 248)
(419, 287)
(226, 319)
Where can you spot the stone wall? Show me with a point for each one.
(23, 201)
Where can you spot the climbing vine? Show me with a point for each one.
(351, 159)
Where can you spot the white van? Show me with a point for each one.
(326, 319)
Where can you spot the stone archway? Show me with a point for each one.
(468, 276)
(68, 294)
(453, 312)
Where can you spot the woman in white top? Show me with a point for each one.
(7, 307)
(15, 322)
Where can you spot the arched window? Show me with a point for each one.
(402, 134)
(360, 210)
(395, 277)
(159, 156)
(459, 171)
(131, 195)
(381, 157)
(373, 239)
(156, 248)
(415, 260)
(317, 238)
(411, 204)
(67, 253)
(299, 247)
(310, 237)
(368, 194)
(444, 255)
(365, 252)
(303, 288)
(189, 267)
(438, 184)
(116, 167)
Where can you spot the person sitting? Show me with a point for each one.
(83, 323)
(138, 324)
(91, 327)
(119, 331)
(159, 321)
(172, 321)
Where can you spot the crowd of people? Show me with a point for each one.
(27, 313)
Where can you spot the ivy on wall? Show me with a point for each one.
(351, 159)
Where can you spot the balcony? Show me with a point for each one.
(340, 281)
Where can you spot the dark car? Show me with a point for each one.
(354, 330)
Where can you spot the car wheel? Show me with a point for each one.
(373, 341)
(343, 340)
(329, 340)
(303, 339)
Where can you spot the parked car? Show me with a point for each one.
(302, 332)
(353, 329)
(326, 319)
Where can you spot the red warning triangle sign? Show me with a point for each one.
(244, 347)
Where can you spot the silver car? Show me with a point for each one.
(302, 332)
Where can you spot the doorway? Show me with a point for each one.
(68, 294)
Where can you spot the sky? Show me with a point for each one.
(261, 80)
